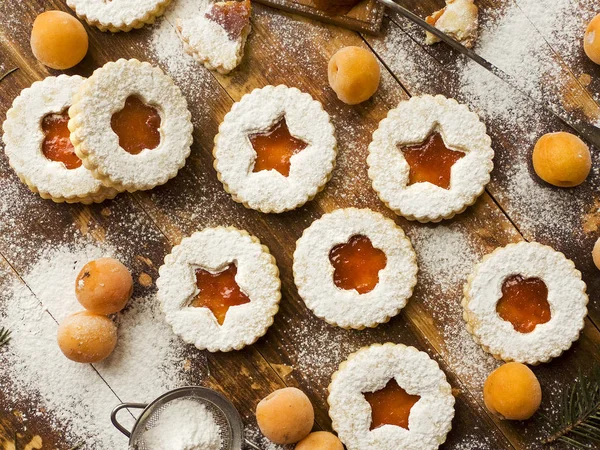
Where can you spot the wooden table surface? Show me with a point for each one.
(299, 349)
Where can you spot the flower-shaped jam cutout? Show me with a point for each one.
(137, 125)
(275, 147)
(57, 145)
(356, 264)
(431, 161)
(218, 291)
(390, 405)
(524, 303)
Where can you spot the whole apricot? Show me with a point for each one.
(596, 254)
(512, 392)
(591, 40)
(285, 416)
(58, 40)
(354, 74)
(320, 440)
(86, 337)
(104, 286)
(562, 159)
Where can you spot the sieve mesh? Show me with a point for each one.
(224, 413)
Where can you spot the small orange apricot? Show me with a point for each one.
(58, 40)
(591, 40)
(512, 392)
(320, 440)
(86, 337)
(286, 416)
(354, 74)
(596, 254)
(104, 286)
(562, 159)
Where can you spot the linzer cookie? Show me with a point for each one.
(38, 145)
(217, 36)
(219, 289)
(430, 158)
(355, 268)
(118, 15)
(525, 302)
(275, 149)
(130, 126)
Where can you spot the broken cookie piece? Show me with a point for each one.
(217, 37)
(458, 19)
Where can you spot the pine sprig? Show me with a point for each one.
(4, 336)
(578, 421)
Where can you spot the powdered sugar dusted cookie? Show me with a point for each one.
(525, 302)
(219, 289)
(118, 15)
(430, 158)
(130, 125)
(217, 36)
(377, 376)
(275, 149)
(355, 268)
(38, 145)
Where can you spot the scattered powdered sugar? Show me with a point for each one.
(446, 257)
(195, 81)
(445, 254)
(184, 424)
(533, 204)
(76, 397)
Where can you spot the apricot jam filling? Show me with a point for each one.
(137, 125)
(275, 147)
(56, 145)
(524, 303)
(356, 264)
(431, 161)
(232, 16)
(218, 292)
(390, 405)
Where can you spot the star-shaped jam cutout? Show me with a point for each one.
(524, 303)
(57, 145)
(431, 161)
(390, 405)
(356, 264)
(218, 291)
(232, 16)
(275, 147)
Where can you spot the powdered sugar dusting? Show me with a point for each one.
(75, 396)
(184, 424)
(446, 257)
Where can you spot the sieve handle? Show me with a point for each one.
(113, 416)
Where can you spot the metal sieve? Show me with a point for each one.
(226, 416)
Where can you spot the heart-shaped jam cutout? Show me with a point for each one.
(524, 303)
(390, 405)
(431, 161)
(218, 292)
(137, 125)
(356, 264)
(275, 147)
(57, 145)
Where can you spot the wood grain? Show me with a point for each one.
(299, 349)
